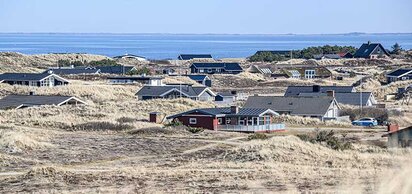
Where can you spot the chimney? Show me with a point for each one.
(330, 93)
(369, 42)
(316, 88)
(32, 93)
(393, 127)
(234, 109)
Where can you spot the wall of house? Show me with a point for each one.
(205, 122)
(333, 112)
(400, 139)
(206, 97)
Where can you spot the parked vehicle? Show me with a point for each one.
(365, 122)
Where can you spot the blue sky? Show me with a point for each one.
(207, 16)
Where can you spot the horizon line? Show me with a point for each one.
(262, 34)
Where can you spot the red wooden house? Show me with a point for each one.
(231, 119)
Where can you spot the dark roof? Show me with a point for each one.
(135, 78)
(400, 72)
(192, 91)
(73, 71)
(226, 94)
(15, 101)
(194, 56)
(226, 66)
(279, 52)
(224, 112)
(128, 56)
(119, 69)
(23, 76)
(294, 105)
(296, 90)
(198, 77)
(366, 50)
(352, 98)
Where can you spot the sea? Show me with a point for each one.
(169, 46)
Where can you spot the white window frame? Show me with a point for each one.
(228, 121)
(220, 121)
(193, 121)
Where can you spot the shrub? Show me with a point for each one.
(174, 123)
(126, 120)
(257, 136)
(379, 114)
(327, 138)
(141, 71)
(194, 129)
(101, 126)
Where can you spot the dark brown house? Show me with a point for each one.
(231, 119)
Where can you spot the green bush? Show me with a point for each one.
(140, 71)
(195, 129)
(327, 138)
(174, 123)
(257, 136)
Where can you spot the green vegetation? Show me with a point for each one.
(396, 49)
(327, 138)
(257, 136)
(174, 123)
(267, 56)
(140, 71)
(104, 62)
(195, 130)
(306, 53)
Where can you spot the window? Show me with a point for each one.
(267, 120)
(201, 70)
(219, 120)
(255, 121)
(192, 121)
(210, 70)
(228, 121)
(309, 74)
(241, 122)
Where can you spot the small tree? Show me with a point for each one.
(396, 49)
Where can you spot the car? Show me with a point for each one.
(365, 122)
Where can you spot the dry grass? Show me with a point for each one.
(16, 140)
(309, 122)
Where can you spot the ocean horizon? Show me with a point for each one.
(169, 46)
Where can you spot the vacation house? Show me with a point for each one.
(130, 56)
(47, 79)
(307, 72)
(194, 56)
(324, 108)
(153, 81)
(201, 79)
(400, 138)
(216, 68)
(231, 119)
(226, 97)
(23, 101)
(371, 51)
(201, 93)
(399, 75)
(296, 90)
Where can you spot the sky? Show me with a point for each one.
(207, 16)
